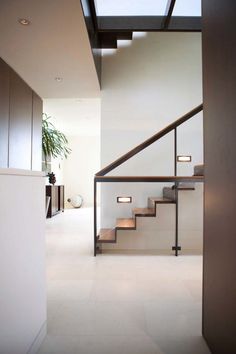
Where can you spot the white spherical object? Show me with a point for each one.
(76, 201)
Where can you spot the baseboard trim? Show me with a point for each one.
(34, 348)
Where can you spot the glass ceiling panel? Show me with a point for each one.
(187, 8)
(130, 7)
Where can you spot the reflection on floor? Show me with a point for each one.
(118, 303)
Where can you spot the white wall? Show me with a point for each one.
(144, 88)
(22, 261)
(80, 167)
(79, 119)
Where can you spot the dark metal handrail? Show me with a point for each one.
(149, 141)
(173, 179)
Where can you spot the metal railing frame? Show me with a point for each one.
(101, 177)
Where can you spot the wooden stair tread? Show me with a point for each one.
(124, 224)
(185, 186)
(107, 235)
(159, 200)
(144, 212)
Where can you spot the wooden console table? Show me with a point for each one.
(56, 205)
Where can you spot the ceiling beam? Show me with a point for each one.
(169, 10)
(93, 13)
(148, 24)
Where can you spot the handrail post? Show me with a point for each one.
(175, 151)
(95, 216)
(176, 247)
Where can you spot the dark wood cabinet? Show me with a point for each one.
(20, 122)
(37, 133)
(56, 204)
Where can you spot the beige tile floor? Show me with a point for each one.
(118, 303)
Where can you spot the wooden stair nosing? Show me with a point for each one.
(184, 186)
(106, 236)
(126, 224)
(154, 201)
(144, 212)
(159, 200)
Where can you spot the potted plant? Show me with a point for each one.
(54, 142)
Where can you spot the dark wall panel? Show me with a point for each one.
(4, 113)
(37, 133)
(219, 88)
(20, 123)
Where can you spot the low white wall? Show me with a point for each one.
(22, 261)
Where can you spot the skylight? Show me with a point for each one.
(146, 7)
(130, 7)
(187, 8)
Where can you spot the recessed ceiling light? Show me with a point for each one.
(24, 21)
(58, 79)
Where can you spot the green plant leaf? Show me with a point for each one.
(54, 142)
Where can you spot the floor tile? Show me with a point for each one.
(119, 303)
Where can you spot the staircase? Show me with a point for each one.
(169, 197)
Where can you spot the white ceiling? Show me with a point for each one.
(55, 44)
(75, 117)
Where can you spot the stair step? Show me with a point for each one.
(124, 35)
(107, 236)
(169, 193)
(108, 40)
(125, 224)
(157, 200)
(144, 212)
(199, 170)
(185, 186)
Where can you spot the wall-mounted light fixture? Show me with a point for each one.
(124, 199)
(184, 158)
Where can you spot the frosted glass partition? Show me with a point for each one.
(187, 8)
(130, 7)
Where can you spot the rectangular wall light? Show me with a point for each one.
(184, 158)
(124, 199)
